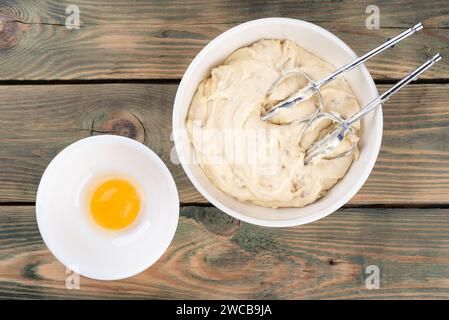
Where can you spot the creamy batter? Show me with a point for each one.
(258, 161)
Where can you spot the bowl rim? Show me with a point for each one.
(378, 125)
(161, 166)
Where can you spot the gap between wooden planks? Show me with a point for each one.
(39, 121)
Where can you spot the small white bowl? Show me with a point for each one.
(323, 44)
(66, 225)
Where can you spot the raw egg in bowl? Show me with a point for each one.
(107, 207)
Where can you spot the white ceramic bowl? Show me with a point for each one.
(323, 44)
(68, 229)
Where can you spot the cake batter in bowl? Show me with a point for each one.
(262, 210)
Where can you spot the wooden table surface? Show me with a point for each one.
(118, 73)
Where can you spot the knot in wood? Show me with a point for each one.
(122, 123)
(10, 28)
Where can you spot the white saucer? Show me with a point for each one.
(69, 231)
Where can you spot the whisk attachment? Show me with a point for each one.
(303, 94)
(314, 87)
(324, 146)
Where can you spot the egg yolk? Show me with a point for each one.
(115, 204)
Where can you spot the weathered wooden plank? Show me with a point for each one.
(214, 256)
(38, 121)
(413, 165)
(129, 39)
(192, 12)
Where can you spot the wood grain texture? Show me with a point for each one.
(128, 39)
(214, 257)
(39, 121)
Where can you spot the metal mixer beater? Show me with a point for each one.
(325, 146)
